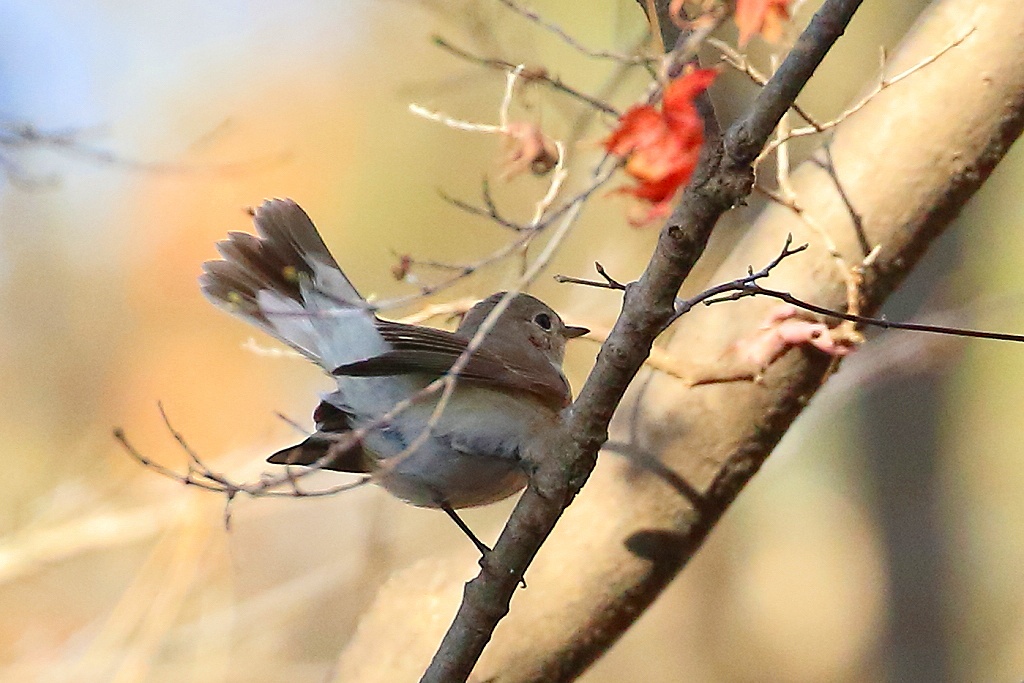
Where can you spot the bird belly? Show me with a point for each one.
(471, 456)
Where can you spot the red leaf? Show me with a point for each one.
(662, 146)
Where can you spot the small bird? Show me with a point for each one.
(512, 389)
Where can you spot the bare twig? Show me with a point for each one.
(739, 61)
(543, 215)
(599, 179)
(849, 275)
(571, 41)
(529, 74)
(884, 82)
(748, 286)
(201, 476)
(442, 310)
(489, 210)
(16, 136)
(608, 283)
(753, 289)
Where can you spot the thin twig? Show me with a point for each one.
(489, 211)
(850, 277)
(607, 171)
(739, 61)
(452, 122)
(757, 290)
(536, 75)
(572, 42)
(543, 215)
(883, 83)
(442, 310)
(15, 136)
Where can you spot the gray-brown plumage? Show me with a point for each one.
(285, 281)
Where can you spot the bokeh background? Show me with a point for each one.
(883, 540)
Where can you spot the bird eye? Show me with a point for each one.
(544, 320)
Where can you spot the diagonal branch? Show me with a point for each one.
(723, 180)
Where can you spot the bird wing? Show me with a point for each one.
(425, 350)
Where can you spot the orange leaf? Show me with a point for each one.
(528, 150)
(760, 16)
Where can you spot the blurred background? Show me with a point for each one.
(883, 540)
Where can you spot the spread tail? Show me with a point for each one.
(285, 281)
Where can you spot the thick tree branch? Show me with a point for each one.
(566, 461)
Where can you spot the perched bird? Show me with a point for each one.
(512, 389)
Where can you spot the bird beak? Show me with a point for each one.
(573, 332)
